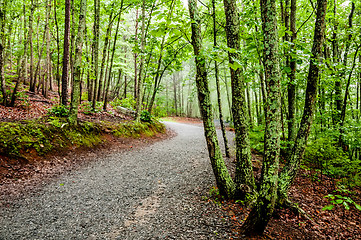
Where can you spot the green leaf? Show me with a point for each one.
(328, 207)
(339, 201)
(347, 207)
(358, 207)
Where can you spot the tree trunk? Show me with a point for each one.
(136, 57)
(105, 47)
(58, 50)
(64, 79)
(77, 64)
(224, 181)
(32, 84)
(2, 39)
(336, 59)
(141, 68)
(112, 58)
(288, 173)
(244, 178)
(225, 140)
(175, 95)
(261, 213)
(95, 51)
(291, 87)
(48, 60)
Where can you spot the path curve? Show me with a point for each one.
(153, 192)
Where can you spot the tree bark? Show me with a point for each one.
(2, 39)
(225, 140)
(32, 84)
(64, 79)
(141, 69)
(244, 178)
(261, 213)
(58, 50)
(288, 173)
(291, 87)
(95, 51)
(224, 181)
(48, 60)
(112, 58)
(105, 47)
(77, 64)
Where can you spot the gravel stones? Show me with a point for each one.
(153, 192)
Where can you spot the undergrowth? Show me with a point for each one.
(19, 139)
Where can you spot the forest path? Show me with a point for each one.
(152, 192)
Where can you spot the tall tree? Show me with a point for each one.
(2, 48)
(291, 87)
(95, 66)
(224, 181)
(105, 47)
(64, 79)
(244, 171)
(77, 65)
(112, 58)
(225, 140)
(262, 211)
(141, 68)
(288, 173)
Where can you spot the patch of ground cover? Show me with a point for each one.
(338, 223)
(28, 171)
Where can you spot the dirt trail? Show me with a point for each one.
(147, 193)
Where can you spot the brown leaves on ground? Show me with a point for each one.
(308, 193)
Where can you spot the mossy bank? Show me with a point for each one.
(27, 139)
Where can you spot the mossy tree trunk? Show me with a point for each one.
(224, 181)
(95, 53)
(262, 211)
(141, 68)
(216, 73)
(294, 159)
(77, 64)
(105, 47)
(64, 79)
(291, 86)
(2, 47)
(112, 57)
(244, 178)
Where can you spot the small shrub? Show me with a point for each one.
(145, 116)
(59, 111)
(128, 102)
(324, 154)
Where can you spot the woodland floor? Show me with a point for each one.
(19, 179)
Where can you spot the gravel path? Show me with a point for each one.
(153, 192)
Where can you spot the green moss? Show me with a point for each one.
(46, 134)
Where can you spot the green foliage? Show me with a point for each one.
(59, 111)
(44, 135)
(215, 195)
(338, 199)
(256, 136)
(324, 154)
(145, 116)
(159, 112)
(127, 102)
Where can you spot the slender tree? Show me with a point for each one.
(225, 140)
(262, 211)
(141, 68)
(224, 181)
(95, 76)
(77, 64)
(2, 48)
(244, 172)
(64, 79)
(288, 173)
